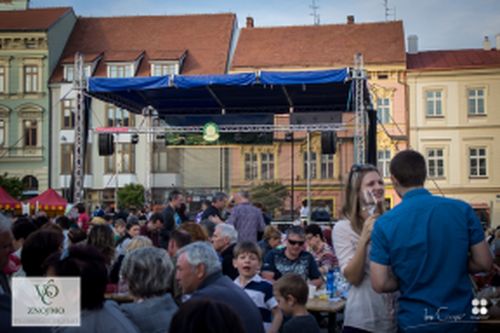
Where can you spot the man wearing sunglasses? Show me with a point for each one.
(292, 259)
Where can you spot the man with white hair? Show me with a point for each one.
(224, 240)
(199, 274)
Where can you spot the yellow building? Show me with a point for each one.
(455, 123)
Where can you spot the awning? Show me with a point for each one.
(264, 92)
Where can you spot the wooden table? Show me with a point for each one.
(331, 307)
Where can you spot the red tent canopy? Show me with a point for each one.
(8, 202)
(49, 200)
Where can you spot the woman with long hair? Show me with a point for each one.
(366, 311)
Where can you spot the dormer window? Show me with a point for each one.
(120, 70)
(69, 72)
(164, 68)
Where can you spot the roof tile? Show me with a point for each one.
(320, 46)
(453, 59)
(31, 19)
(206, 37)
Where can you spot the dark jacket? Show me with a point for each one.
(220, 288)
(168, 225)
(227, 262)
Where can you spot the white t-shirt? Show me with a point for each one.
(365, 309)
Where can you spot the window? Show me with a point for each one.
(165, 160)
(433, 103)
(313, 165)
(2, 80)
(2, 132)
(30, 183)
(30, 133)
(475, 102)
(125, 153)
(67, 159)
(68, 113)
(326, 166)
(383, 110)
(477, 162)
(30, 78)
(69, 73)
(163, 69)
(250, 166)
(383, 162)
(267, 165)
(435, 163)
(120, 71)
(119, 117)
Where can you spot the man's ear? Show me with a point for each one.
(290, 300)
(200, 271)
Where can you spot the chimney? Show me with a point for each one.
(412, 44)
(249, 22)
(350, 19)
(486, 44)
(497, 42)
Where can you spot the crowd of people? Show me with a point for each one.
(230, 270)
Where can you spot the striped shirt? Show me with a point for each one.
(261, 293)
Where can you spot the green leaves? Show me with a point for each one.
(13, 185)
(131, 195)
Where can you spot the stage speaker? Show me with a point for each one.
(328, 142)
(106, 144)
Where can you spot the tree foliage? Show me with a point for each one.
(272, 195)
(131, 195)
(13, 185)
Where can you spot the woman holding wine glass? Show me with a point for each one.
(366, 311)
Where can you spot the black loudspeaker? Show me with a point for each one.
(328, 143)
(106, 144)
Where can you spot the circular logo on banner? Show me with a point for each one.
(210, 132)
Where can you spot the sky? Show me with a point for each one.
(439, 24)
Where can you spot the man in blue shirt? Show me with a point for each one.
(425, 247)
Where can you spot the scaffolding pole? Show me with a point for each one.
(359, 78)
(79, 85)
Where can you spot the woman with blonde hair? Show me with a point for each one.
(366, 311)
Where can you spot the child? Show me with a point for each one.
(291, 291)
(247, 260)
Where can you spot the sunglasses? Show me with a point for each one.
(294, 242)
(360, 168)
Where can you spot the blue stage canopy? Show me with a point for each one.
(267, 92)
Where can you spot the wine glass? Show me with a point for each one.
(370, 202)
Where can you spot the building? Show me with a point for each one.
(320, 47)
(137, 46)
(31, 42)
(455, 123)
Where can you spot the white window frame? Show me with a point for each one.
(383, 162)
(164, 68)
(476, 101)
(3, 79)
(3, 131)
(120, 70)
(476, 155)
(68, 110)
(384, 110)
(31, 80)
(267, 166)
(431, 96)
(250, 166)
(435, 163)
(327, 166)
(314, 167)
(34, 124)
